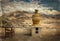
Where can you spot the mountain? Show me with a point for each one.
(19, 18)
(24, 19)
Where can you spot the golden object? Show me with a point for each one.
(36, 18)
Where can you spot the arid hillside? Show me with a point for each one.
(22, 22)
(24, 18)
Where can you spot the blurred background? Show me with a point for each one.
(17, 14)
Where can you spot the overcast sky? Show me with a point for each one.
(54, 4)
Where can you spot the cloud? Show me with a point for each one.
(30, 7)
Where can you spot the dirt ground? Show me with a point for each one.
(30, 38)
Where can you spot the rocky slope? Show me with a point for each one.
(22, 20)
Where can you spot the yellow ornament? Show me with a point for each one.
(36, 18)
